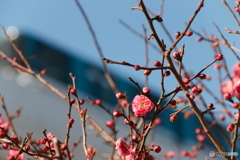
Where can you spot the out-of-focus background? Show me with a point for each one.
(56, 33)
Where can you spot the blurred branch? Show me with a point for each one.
(107, 74)
(226, 41)
(231, 11)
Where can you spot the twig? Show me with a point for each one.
(230, 31)
(132, 65)
(58, 153)
(231, 11)
(69, 125)
(139, 35)
(235, 135)
(16, 48)
(8, 116)
(162, 7)
(107, 74)
(146, 53)
(226, 42)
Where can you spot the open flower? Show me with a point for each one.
(141, 105)
(122, 147)
(13, 153)
(125, 149)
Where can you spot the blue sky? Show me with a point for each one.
(60, 23)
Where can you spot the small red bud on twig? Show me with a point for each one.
(81, 101)
(137, 67)
(230, 127)
(157, 63)
(117, 114)
(156, 149)
(189, 33)
(167, 73)
(219, 56)
(147, 72)
(98, 102)
(177, 35)
(173, 118)
(73, 91)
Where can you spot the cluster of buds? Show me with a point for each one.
(230, 127)
(196, 90)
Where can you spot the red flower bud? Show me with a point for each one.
(177, 35)
(157, 63)
(137, 67)
(120, 95)
(109, 124)
(219, 56)
(188, 33)
(156, 149)
(173, 118)
(167, 73)
(147, 72)
(98, 102)
(117, 114)
(230, 127)
(71, 121)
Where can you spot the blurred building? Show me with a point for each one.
(49, 111)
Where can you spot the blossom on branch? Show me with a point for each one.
(123, 147)
(236, 89)
(12, 154)
(141, 105)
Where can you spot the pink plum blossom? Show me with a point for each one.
(14, 153)
(3, 124)
(236, 89)
(141, 105)
(122, 147)
(236, 69)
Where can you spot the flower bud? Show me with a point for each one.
(177, 35)
(157, 63)
(230, 127)
(98, 102)
(188, 33)
(156, 149)
(117, 114)
(219, 57)
(120, 95)
(177, 55)
(146, 90)
(109, 124)
(167, 73)
(236, 105)
(147, 72)
(137, 67)
(173, 118)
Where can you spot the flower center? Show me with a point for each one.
(142, 104)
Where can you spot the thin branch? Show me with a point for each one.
(132, 65)
(8, 116)
(146, 52)
(226, 42)
(230, 31)
(107, 74)
(16, 49)
(235, 135)
(231, 11)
